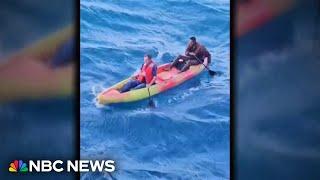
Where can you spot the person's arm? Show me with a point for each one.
(197, 51)
(188, 50)
(205, 60)
(136, 73)
(154, 73)
(152, 81)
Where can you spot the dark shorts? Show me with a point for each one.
(193, 62)
(188, 59)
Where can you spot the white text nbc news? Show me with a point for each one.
(71, 166)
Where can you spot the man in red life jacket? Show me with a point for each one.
(145, 78)
(194, 49)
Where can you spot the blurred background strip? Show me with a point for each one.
(37, 74)
(26, 74)
(253, 13)
(277, 90)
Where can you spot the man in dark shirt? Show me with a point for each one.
(194, 55)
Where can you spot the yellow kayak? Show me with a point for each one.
(165, 80)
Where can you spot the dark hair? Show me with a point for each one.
(148, 55)
(193, 38)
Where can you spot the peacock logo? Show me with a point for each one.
(18, 166)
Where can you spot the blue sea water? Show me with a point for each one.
(187, 135)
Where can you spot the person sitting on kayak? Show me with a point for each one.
(145, 78)
(195, 54)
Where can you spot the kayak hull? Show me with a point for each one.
(165, 80)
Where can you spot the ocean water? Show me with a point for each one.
(187, 135)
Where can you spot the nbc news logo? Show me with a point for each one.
(59, 166)
(18, 166)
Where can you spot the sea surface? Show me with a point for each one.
(187, 135)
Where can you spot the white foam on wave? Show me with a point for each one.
(95, 90)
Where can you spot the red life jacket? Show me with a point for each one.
(147, 69)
